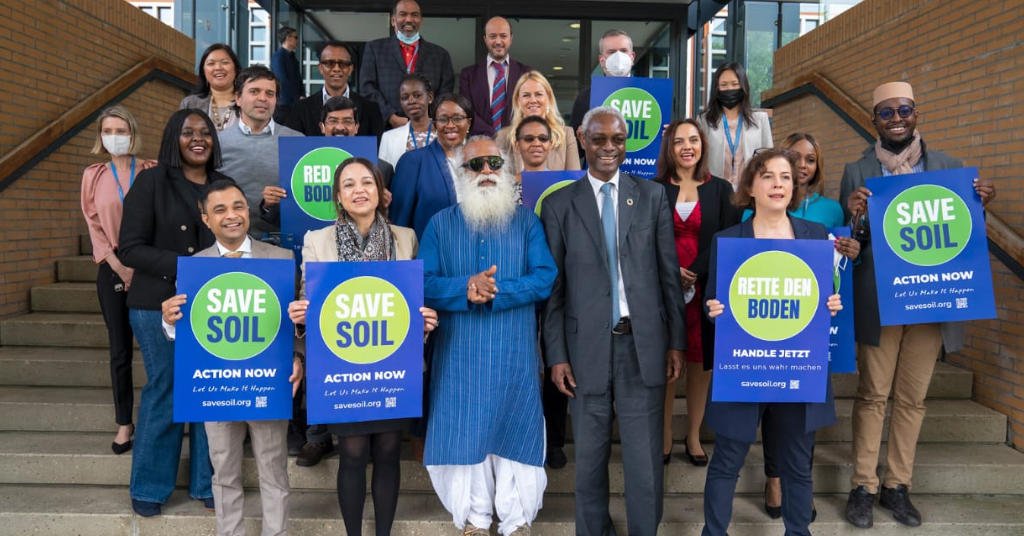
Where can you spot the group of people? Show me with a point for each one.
(596, 306)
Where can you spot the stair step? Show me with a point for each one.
(98, 511)
(91, 410)
(86, 459)
(66, 298)
(79, 330)
(76, 269)
(61, 367)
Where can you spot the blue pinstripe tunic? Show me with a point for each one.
(485, 378)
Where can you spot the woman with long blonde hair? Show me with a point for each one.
(533, 96)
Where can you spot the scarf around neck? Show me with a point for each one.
(379, 244)
(903, 162)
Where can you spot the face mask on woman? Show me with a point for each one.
(116, 145)
(729, 98)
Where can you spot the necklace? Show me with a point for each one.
(218, 121)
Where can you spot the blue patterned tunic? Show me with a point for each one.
(485, 393)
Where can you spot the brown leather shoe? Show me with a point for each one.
(311, 453)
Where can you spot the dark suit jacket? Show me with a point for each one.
(577, 317)
(474, 86)
(384, 67)
(867, 323)
(286, 67)
(716, 213)
(423, 186)
(739, 420)
(305, 115)
(161, 222)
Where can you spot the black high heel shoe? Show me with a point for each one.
(667, 457)
(700, 460)
(121, 448)
(774, 512)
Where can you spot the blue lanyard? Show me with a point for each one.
(412, 135)
(131, 179)
(728, 136)
(415, 56)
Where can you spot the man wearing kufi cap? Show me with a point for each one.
(897, 359)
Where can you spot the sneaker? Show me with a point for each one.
(556, 458)
(209, 504)
(859, 508)
(521, 530)
(898, 500)
(311, 453)
(146, 508)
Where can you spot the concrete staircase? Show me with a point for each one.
(58, 475)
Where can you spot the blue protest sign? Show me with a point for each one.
(234, 343)
(539, 184)
(771, 342)
(841, 354)
(930, 248)
(364, 341)
(646, 103)
(307, 174)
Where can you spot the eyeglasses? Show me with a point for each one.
(774, 150)
(476, 164)
(347, 121)
(887, 113)
(457, 120)
(530, 138)
(330, 64)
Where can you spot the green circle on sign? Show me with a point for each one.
(313, 180)
(642, 113)
(550, 190)
(364, 320)
(773, 307)
(927, 225)
(235, 316)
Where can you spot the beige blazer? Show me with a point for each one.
(321, 246)
(565, 158)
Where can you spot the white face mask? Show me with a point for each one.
(618, 64)
(116, 145)
(406, 39)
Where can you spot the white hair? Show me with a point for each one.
(485, 207)
(601, 110)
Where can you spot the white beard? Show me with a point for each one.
(487, 206)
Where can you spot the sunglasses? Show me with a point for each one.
(476, 164)
(530, 138)
(330, 64)
(887, 113)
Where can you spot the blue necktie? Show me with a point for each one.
(608, 223)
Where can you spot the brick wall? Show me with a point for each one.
(965, 60)
(55, 54)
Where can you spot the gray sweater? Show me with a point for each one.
(252, 161)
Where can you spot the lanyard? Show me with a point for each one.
(131, 179)
(412, 61)
(728, 134)
(412, 135)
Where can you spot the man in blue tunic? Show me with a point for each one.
(486, 265)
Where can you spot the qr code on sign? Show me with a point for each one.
(794, 384)
(390, 402)
(261, 401)
(961, 303)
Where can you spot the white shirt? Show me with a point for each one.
(248, 131)
(327, 95)
(245, 248)
(492, 74)
(596, 184)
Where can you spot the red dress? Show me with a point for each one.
(687, 237)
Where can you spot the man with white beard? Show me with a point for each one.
(486, 266)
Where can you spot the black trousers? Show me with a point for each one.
(556, 407)
(113, 304)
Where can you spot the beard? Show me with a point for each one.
(487, 206)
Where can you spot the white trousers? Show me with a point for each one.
(471, 493)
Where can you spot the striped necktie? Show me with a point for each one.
(498, 96)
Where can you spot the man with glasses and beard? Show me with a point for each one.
(897, 359)
(486, 266)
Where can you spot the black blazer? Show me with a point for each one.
(716, 213)
(161, 222)
(305, 115)
(739, 420)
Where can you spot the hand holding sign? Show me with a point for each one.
(986, 190)
(297, 311)
(272, 196)
(834, 304)
(857, 203)
(171, 308)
